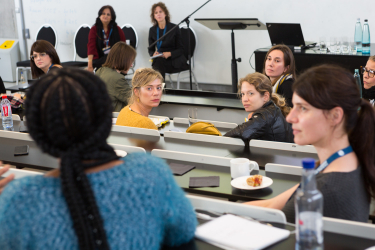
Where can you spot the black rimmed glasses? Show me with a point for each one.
(41, 55)
(370, 72)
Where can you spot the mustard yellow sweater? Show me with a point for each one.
(130, 118)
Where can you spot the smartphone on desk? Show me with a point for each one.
(21, 150)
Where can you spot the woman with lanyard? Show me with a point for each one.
(104, 34)
(43, 58)
(279, 66)
(170, 49)
(329, 114)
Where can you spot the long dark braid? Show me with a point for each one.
(69, 116)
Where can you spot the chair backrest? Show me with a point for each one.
(19, 173)
(347, 227)
(2, 87)
(128, 149)
(217, 124)
(47, 32)
(189, 157)
(81, 39)
(283, 169)
(185, 40)
(130, 34)
(204, 138)
(283, 146)
(220, 206)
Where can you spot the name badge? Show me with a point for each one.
(106, 50)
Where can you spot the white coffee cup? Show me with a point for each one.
(242, 167)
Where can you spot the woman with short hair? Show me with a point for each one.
(43, 58)
(267, 111)
(172, 59)
(280, 67)
(147, 88)
(103, 35)
(113, 72)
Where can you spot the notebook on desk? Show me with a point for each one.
(288, 34)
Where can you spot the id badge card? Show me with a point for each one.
(106, 50)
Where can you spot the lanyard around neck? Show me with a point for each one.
(105, 37)
(158, 44)
(50, 67)
(333, 157)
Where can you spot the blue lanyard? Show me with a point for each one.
(333, 157)
(158, 44)
(105, 37)
(50, 67)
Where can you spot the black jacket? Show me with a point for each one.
(285, 90)
(171, 43)
(267, 123)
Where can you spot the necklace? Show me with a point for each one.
(136, 112)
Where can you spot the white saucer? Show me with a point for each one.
(241, 183)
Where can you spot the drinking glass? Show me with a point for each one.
(338, 47)
(193, 115)
(352, 47)
(322, 45)
(345, 45)
(332, 45)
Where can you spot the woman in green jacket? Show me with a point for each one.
(117, 65)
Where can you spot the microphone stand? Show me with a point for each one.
(189, 52)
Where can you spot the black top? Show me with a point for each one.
(344, 196)
(171, 43)
(267, 123)
(368, 94)
(285, 90)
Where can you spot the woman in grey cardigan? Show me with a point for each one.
(117, 65)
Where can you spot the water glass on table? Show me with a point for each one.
(322, 45)
(193, 115)
(338, 47)
(332, 45)
(352, 47)
(345, 45)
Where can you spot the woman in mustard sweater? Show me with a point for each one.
(146, 94)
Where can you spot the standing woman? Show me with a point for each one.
(171, 48)
(280, 67)
(43, 58)
(104, 34)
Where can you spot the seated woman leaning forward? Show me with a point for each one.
(266, 120)
(118, 63)
(43, 58)
(146, 94)
(94, 200)
(329, 114)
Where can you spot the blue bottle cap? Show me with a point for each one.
(308, 163)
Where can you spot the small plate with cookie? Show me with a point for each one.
(251, 182)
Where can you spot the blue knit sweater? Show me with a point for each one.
(140, 203)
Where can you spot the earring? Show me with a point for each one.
(138, 99)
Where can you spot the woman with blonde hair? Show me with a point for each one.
(267, 111)
(145, 94)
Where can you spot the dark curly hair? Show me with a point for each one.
(69, 115)
(164, 8)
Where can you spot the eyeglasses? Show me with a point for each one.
(41, 55)
(370, 72)
(108, 14)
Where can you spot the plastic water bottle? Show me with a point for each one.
(22, 79)
(366, 38)
(309, 210)
(6, 113)
(358, 35)
(357, 78)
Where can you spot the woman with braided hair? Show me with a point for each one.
(94, 200)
